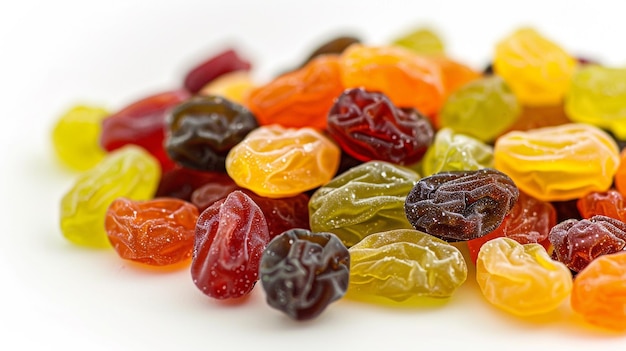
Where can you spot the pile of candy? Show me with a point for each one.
(360, 172)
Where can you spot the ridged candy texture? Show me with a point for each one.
(558, 163)
(521, 279)
(303, 272)
(273, 161)
(129, 172)
(403, 263)
(366, 199)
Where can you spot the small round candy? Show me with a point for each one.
(76, 137)
(273, 161)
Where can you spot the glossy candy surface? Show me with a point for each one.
(368, 126)
(274, 161)
(610, 203)
(156, 232)
(214, 67)
(579, 242)
(538, 70)
(76, 137)
(521, 279)
(303, 272)
(366, 199)
(403, 263)
(202, 130)
(129, 172)
(558, 163)
(599, 292)
(230, 237)
(461, 205)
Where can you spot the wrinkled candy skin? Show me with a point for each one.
(233, 86)
(558, 163)
(482, 109)
(609, 203)
(181, 182)
(403, 263)
(521, 279)
(538, 71)
(424, 41)
(214, 67)
(599, 292)
(598, 97)
(620, 174)
(368, 126)
(578, 242)
(202, 130)
(129, 172)
(461, 205)
(300, 98)
(407, 78)
(452, 151)
(281, 214)
(142, 123)
(303, 272)
(229, 240)
(364, 200)
(156, 232)
(76, 137)
(273, 161)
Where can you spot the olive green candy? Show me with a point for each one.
(452, 151)
(366, 199)
(403, 263)
(421, 40)
(483, 109)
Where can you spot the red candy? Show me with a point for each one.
(609, 203)
(225, 62)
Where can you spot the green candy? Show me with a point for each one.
(423, 41)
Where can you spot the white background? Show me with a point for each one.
(54, 54)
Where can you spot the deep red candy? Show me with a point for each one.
(229, 241)
(181, 182)
(222, 63)
(142, 123)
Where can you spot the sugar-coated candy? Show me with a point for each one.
(142, 123)
(421, 40)
(407, 78)
(230, 237)
(181, 182)
(225, 62)
(461, 205)
(403, 263)
(579, 242)
(521, 279)
(274, 161)
(482, 109)
(303, 272)
(368, 126)
(233, 86)
(300, 98)
(156, 232)
(620, 174)
(558, 163)
(76, 137)
(598, 96)
(129, 172)
(452, 151)
(599, 292)
(364, 200)
(538, 70)
(610, 203)
(202, 130)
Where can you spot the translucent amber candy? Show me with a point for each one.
(521, 279)
(233, 86)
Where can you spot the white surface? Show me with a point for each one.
(57, 53)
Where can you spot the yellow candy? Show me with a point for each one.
(129, 172)
(521, 279)
(76, 137)
(273, 161)
(233, 86)
(558, 163)
(423, 41)
(538, 71)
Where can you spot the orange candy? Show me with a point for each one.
(407, 78)
(599, 292)
(301, 98)
(620, 175)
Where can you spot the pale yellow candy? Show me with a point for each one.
(538, 70)
(521, 279)
(76, 137)
(233, 86)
